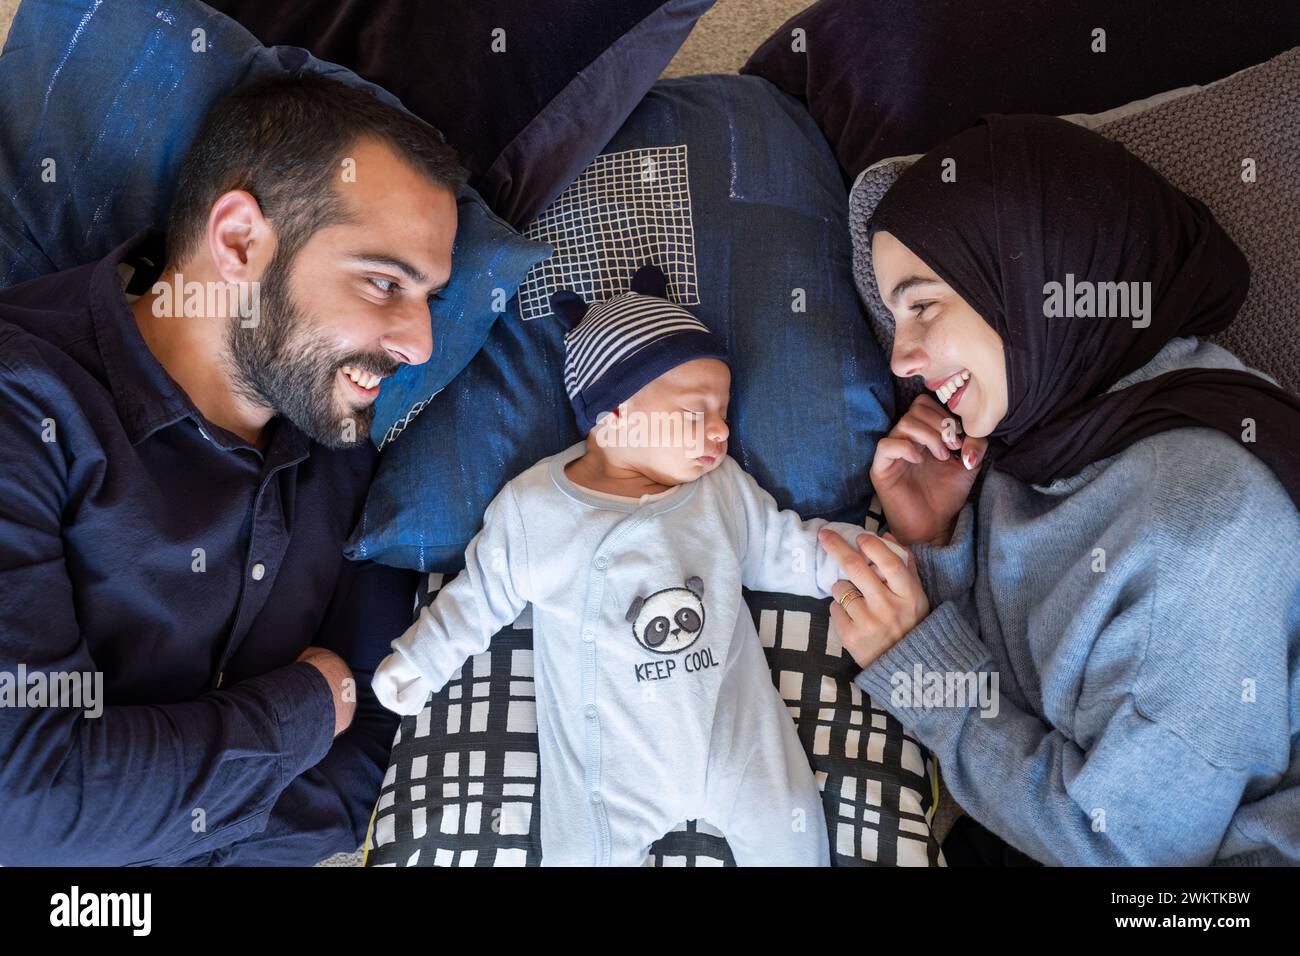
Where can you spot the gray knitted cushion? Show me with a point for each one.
(1199, 142)
(865, 196)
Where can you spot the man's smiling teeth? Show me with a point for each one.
(946, 390)
(364, 379)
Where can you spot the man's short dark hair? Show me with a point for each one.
(283, 140)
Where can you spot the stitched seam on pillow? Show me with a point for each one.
(397, 428)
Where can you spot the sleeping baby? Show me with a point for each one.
(655, 703)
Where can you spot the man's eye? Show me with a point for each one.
(920, 307)
(386, 286)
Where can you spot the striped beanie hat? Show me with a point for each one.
(616, 347)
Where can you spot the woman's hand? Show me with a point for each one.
(889, 608)
(921, 479)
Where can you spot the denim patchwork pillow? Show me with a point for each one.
(98, 105)
(727, 185)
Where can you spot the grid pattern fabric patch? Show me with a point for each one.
(462, 785)
(626, 209)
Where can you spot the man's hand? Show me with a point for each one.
(923, 472)
(342, 683)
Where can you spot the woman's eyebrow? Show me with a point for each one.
(909, 283)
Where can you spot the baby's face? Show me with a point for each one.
(675, 428)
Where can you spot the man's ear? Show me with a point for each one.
(238, 240)
(635, 609)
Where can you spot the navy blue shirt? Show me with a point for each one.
(140, 541)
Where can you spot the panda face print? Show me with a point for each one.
(670, 620)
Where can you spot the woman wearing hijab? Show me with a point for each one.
(1125, 587)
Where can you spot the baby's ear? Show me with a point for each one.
(635, 608)
(650, 280)
(569, 306)
(695, 586)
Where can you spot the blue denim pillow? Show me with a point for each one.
(98, 105)
(489, 260)
(811, 391)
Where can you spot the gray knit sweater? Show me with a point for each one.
(1140, 623)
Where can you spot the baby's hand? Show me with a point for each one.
(399, 686)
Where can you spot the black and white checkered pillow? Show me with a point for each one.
(462, 783)
(626, 209)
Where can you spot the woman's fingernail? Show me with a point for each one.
(968, 460)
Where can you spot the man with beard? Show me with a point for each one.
(178, 481)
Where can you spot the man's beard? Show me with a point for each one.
(283, 363)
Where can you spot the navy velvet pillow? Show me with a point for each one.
(894, 77)
(98, 105)
(756, 244)
(528, 93)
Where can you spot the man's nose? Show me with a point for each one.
(410, 338)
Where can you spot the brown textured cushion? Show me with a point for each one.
(1198, 141)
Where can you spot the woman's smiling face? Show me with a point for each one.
(941, 338)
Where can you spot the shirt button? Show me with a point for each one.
(602, 562)
(259, 571)
(588, 635)
(595, 796)
(591, 711)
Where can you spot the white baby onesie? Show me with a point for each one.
(655, 702)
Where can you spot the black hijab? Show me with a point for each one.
(1036, 198)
